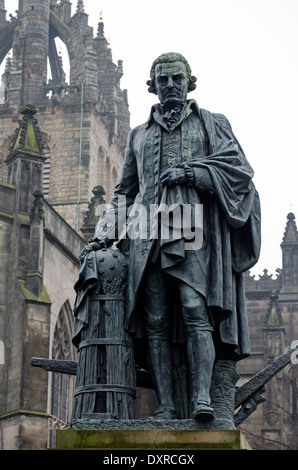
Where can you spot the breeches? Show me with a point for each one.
(159, 289)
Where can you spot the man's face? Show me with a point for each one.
(171, 83)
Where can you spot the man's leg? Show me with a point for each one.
(200, 350)
(156, 305)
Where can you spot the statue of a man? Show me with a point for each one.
(176, 293)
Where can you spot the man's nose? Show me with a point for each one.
(170, 83)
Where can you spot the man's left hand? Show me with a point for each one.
(173, 176)
(92, 246)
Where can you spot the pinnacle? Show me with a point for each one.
(80, 6)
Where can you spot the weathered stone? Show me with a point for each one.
(160, 439)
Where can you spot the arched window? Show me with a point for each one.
(58, 68)
(62, 384)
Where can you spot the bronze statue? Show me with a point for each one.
(180, 292)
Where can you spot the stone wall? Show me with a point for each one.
(28, 322)
(272, 313)
(62, 248)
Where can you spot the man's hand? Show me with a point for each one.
(93, 246)
(173, 176)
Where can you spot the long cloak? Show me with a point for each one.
(231, 240)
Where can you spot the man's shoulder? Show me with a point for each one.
(140, 130)
(140, 127)
(135, 131)
(218, 117)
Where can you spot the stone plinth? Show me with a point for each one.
(153, 439)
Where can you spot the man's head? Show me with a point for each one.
(171, 79)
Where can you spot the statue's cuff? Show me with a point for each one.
(190, 176)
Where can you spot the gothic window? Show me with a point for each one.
(11, 173)
(58, 60)
(36, 177)
(25, 178)
(5, 70)
(63, 384)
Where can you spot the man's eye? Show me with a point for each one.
(178, 78)
(162, 80)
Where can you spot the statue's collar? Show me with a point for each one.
(157, 115)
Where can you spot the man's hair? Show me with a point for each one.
(170, 57)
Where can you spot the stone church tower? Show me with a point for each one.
(85, 121)
(61, 151)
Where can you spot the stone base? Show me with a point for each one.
(94, 422)
(150, 439)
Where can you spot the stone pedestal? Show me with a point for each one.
(150, 438)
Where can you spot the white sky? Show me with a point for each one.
(244, 54)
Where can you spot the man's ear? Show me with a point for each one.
(152, 88)
(192, 83)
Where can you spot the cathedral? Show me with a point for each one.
(61, 151)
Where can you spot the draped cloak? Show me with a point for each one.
(231, 228)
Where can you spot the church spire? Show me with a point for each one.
(28, 136)
(273, 317)
(100, 27)
(26, 159)
(289, 248)
(290, 234)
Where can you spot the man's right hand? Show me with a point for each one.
(173, 176)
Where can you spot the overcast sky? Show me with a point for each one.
(244, 55)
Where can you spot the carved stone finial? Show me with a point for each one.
(100, 30)
(273, 317)
(8, 64)
(99, 192)
(120, 67)
(28, 136)
(291, 233)
(96, 208)
(80, 6)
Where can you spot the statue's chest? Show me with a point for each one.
(166, 149)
